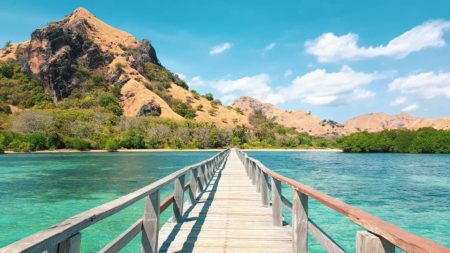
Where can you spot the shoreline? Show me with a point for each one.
(62, 151)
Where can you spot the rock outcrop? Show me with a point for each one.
(305, 122)
(300, 120)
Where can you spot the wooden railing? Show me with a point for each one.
(66, 236)
(380, 236)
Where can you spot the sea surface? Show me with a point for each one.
(39, 190)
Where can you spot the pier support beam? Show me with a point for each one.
(178, 196)
(277, 213)
(300, 222)
(150, 224)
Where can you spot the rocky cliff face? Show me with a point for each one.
(80, 42)
(56, 51)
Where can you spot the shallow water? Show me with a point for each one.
(39, 190)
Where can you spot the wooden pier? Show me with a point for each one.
(235, 204)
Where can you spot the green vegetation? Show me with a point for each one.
(209, 96)
(18, 90)
(160, 76)
(91, 118)
(424, 140)
(266, 133)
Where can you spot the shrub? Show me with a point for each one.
(200, 108)
(112, 145)
(209, 96)
(195, 94)
(183, 109)
(76, 143)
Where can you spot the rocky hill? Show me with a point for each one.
(300, 120)
(81, 57)
(306, 122)
(62, 53)
(375, 122)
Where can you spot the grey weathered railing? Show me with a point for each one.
(66, 236)
(380, 237)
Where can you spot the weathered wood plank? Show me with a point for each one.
(178, 195)
(228, 216)
(300, 222)
(150, 224)
(264, 189)
(327, 243)
(367, 242)
(70, 245)
(277, 213)
(123, 239)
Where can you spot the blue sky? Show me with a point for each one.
(337, 59)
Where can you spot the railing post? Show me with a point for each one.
(264, 189)
(300, 222)
(178, 196)
(253, 168)
(276, 203)
(150, 224)
(250, 170)
(258, 178)
(201, 177)
(193, 186)
(70, 245)
(367, 242)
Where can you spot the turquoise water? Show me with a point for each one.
(39, 190)
(409, 190)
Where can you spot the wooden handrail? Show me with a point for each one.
(50, 237)
(403, 239)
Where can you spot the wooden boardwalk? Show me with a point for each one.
(228, 217)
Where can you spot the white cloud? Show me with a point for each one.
(269, 47)
(196, 81)
(320, 87)
(331, 48)
(288, 73)
(255, 86)
(424, 85)
(410, 108)
(218, 49)
(398, 101)
(181, 76)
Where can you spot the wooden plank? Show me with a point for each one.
(277, 214)
(70, 245)
(178, 198)
(264, 189)
(123, 239)
(228, 217)
(403, 239)
(193, 190)
(327, 243)
(150, 224)
(367, 242)
(286, 202)
(300, 222)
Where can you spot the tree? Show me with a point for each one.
(7, 45)
(209, 96)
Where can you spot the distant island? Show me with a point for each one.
(82, 84)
